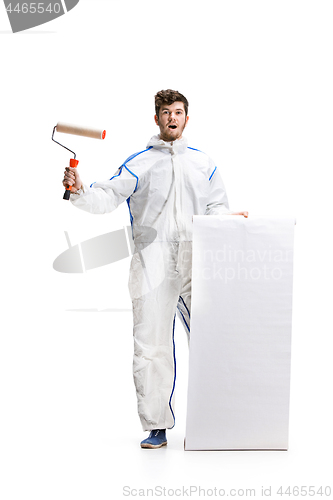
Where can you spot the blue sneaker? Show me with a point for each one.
(156, 439)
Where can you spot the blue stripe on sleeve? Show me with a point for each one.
(212, 173)
(124, 165)
(135, 154)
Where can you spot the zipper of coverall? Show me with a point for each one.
(178, 204)
(176, 174)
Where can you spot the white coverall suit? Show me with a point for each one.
(164, 186)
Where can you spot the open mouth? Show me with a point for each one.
(173, 127)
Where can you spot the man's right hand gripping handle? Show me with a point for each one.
(71, 181)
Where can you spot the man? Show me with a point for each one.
(164, 186)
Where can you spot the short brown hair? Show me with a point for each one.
(169, 97)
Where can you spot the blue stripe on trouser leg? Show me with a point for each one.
(184, 300)
(184, 314)
(181, 300)
(174, 380)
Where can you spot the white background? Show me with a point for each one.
(259, 79)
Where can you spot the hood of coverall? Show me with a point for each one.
(178, 146)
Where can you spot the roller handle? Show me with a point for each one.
(73, 164)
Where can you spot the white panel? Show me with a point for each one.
(239, 371)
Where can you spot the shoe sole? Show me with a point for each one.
(146, 445)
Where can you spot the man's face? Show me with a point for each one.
(172, 121)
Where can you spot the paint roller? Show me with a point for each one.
(67, 128)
